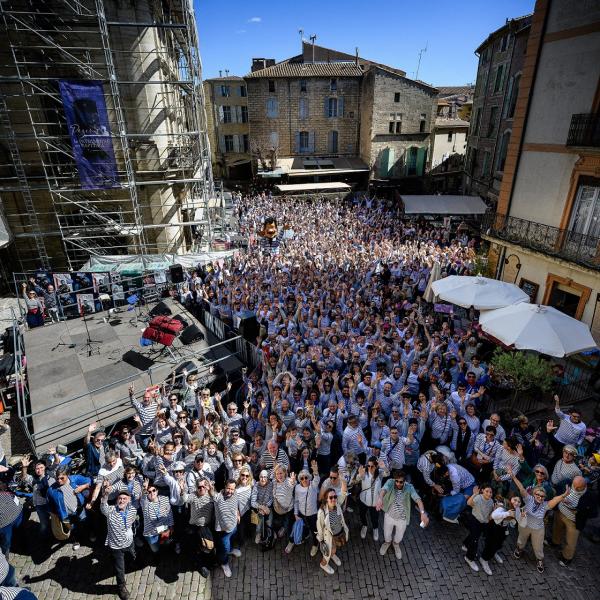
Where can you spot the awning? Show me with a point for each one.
(443, 205)
(306, 187)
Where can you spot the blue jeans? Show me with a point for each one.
(44, 516)
(452, 506)
(153, 542)
(224, 545)
(6, 534)
(11, 578)
(25, 595)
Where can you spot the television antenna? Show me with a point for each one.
(421, 52)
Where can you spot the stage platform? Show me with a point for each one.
(71, 388)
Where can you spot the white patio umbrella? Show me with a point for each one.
(479, 292)
(537, 327)
(434, 276)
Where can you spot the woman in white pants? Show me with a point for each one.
(394, 500)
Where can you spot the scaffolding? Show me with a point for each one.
(145, 54)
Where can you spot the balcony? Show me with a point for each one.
(584, 131)
(561, 243)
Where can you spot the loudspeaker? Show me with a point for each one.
(183, 321)
(7, 364)
(8, 340)
(137, 360)
(176, 273)
(161, 309)
(249, 329)
(191, 334)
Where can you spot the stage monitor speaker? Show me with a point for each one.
(249, 329)
(176, 273)
(191, 334)
(181, 319)
(161, 309)
(137, 360)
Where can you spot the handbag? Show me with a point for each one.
(254, 518)
(298, 531)
(324, 548)
(61, 530)
(207, 542)
(278, 508)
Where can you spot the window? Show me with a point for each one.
(477, 121)
(243, 92)
(585, 218)
(411, 161)
(397, 97)
(303, 144)
(512, 96)
(227, 114)
(504, 42)
(303, 108)
(333, 85)
(245, 143)
(450, 135)
(485, 56)
(399, 125)
(392, 126)
(274, 139)
(244, 118)
(271, 86)
(499, 81)
(473, 161)
(502, 151)
(422, 123)
(228, 143)
(334, 107)
(225, 91)
(492, 122)
(303, 85)
(272, 108)
(333, 142)
(485, 164)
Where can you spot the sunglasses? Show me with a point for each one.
(539, 471)
(152, 491)
(331, 497)
(245, 476)
(303, 478)
(333, 478)
(238, 461)
(400, 481)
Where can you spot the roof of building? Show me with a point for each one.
(455, 90)
(290, 69)
(517, 23)
(443, 205)
(307, 187)
(228, 78)
(443, 122)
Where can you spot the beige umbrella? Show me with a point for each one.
(435, 274)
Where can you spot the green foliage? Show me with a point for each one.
(522, 371)
(481, 266)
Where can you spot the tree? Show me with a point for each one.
(522, 371)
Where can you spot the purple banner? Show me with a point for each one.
(443, 308)
(87, 118)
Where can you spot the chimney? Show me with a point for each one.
(313, 38)
(356, 60)
(226, 72)
(220, 73)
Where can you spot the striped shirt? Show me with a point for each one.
(134, 487)
(568, 507)
(535, 512)
(4, 566)
(147, 414)
(504, 459)
(306, 498)
(351, 442)
(393, 453)
(284, 494)
(397, 509)
(335, 522)
(564, 472)
(119, 525)
(201, 508)
(10, 508)
(10, 593)
(262, 495)
(156, 514)
(569, 433)
(441, 427)
(490, 449)
(460, 478)
(267, 461)
(244, 493)
(226, 512)
(426, 467)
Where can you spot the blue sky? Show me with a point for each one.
(391, 32)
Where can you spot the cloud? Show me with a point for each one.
(255, 20)
(241, 31)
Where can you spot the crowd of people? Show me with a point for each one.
(366, 401)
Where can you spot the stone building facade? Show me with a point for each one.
(227, 117)
(501, 59)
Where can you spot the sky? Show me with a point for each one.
(391, 32)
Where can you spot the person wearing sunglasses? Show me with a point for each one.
(535, 507)
(243, 489)
(158, 517)
(571, 429)
(306, 506)
(394, 500)
(536, 477)
(370, 481)
(332, 531)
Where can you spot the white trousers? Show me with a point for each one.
(388, 528)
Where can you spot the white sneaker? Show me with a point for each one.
(336, 559)
(257, 538)
(363, 532)
(384, 548)
(463, 548)
(455, 521)
(226, 570)
(314, 550)
(472, 564)
(498, 558)
(397, 551)
(327, 569)
(281, 533)
(289, 547)
(376, 535)
(486, 566)
(177, 548)
(76, 546)
(235, 552)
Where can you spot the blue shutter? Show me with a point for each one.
(222, 143)
(326, 107)
(311, 141)
(306, 110)
(297, 142)
(330, 142)
(340, 112)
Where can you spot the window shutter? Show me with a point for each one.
(421, 153)
(236, 143)
(222, 143)
(311, 141)
(238, 114)
(330, 141)
(221, 114)
(306, 109)
(340, 107)
(297, 142)
(326, 107)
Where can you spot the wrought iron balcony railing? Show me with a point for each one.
(584, 130)
(561, 243)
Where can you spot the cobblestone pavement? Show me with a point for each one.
(432, 566)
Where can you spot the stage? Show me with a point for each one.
(72, 385)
